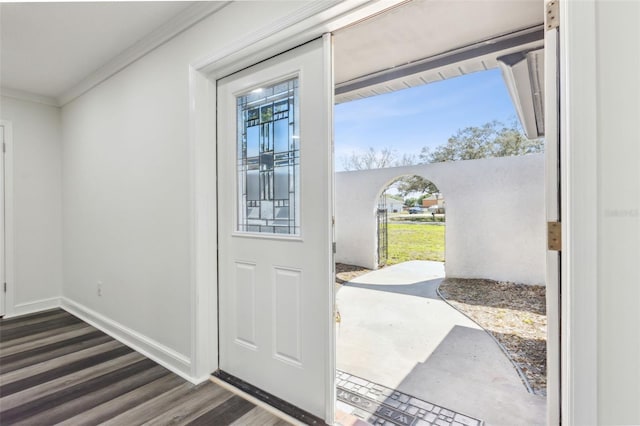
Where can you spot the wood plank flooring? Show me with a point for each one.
(56, 369)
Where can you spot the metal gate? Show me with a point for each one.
(383, 232)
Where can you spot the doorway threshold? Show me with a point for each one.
(382, 406)
(291, 411)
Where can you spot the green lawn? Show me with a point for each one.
(415, 242)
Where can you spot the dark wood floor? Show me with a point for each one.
(56, 369)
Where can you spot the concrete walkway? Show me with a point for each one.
(396, 331)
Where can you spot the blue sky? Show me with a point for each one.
(428, 115)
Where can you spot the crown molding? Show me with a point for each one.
(28, 96)
(181, 22)
(308, 10)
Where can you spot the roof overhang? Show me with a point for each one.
(478, 56)
(424, 41)
(523, 73)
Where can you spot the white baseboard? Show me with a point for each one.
(167, 357)
(35, 306)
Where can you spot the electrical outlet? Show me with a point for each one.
(99, 288)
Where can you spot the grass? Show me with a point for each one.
(415, 242)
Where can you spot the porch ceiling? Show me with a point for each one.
(423, 41)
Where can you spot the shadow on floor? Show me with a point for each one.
(397, 332)
(469, 373)
(420, 288)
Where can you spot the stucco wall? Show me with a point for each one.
(495, 216)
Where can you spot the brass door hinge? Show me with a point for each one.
(552, 15)
(554, 236)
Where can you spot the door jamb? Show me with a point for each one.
(579, 269)
(9, 296)
(553, 208)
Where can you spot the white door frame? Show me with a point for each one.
(579, 205)
(577, 361)
(6, 222)
(552, 207)
(301, 26)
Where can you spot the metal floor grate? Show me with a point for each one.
(380, 405)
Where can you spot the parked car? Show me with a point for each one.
(415, 210)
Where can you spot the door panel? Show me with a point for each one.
(274, 231)
(245, 302)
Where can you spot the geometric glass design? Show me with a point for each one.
(268, 160)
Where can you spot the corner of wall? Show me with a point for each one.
(168, 358)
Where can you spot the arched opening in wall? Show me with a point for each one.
(410, 222)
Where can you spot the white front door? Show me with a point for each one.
(275, 194)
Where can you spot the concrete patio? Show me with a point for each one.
(396, 331)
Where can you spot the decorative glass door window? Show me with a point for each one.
(268, 160)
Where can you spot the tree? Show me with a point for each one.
(492, 139)
(371, 159)
(387, 157)
(407, 160)
(410, 202)
(415, 184)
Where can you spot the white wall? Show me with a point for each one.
(617, 29)
(495, 216)
(127, 183)
(35, 258)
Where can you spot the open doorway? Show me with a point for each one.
(410, 222)
(392, 368)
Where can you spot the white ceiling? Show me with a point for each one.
(47, 48)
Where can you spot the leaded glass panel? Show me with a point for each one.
(268, 160)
